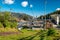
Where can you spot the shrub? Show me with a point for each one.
(1, 25)
(43, 35)
(7, 23)
(51, 32)
(24, 27)
(13, 24)
(48, 34)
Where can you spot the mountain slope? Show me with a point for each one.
(22, 16)
(52, 16)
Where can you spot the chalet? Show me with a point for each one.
(57, 20)
(36, 25)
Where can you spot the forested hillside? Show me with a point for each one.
(51, 16)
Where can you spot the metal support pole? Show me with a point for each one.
(45, 12)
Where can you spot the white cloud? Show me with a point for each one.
(58, 9)
(8, 1)
(24, 3)
(31, 6)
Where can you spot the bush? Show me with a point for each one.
(25, 27)
(13, 24)
(43, 35)
(7, 23)
(1, 25)
(51, 32)
(48, 34)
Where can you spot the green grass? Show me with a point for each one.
(8, 30)
(26, 35)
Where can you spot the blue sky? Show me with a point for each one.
(36, 8)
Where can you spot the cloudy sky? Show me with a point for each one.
(31, 7)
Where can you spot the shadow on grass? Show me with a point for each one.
(57, 38)
(30, 37)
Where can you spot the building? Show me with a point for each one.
(31, 25)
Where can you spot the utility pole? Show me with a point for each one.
(45, 2)
(31, 8)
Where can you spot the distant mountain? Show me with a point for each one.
(52, 16)
(49, 15)
(22, 16)
(19, 16)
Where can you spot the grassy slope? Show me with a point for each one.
(24, 35)
(8, 30)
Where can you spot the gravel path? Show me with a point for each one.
(8, 33)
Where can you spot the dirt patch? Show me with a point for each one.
(8, 33)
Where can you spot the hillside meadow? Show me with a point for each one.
(25, 34)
